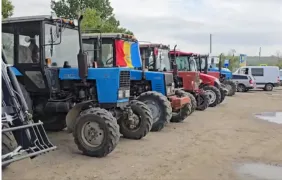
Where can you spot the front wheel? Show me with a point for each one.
(268, 87)
(214, 95)
(231, 86)
(139, 124)
(96, 132)
(193, 102)
(160, 108)
(223, 95)
(202, 101)
(181, 114)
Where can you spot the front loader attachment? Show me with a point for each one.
(21, 137)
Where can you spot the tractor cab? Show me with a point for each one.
(47, 56)
(224, 75)
(187, 75)
(35, 43)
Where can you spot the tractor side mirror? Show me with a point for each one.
(82, 65)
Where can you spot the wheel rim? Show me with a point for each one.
(268, 87)
(92, 134)
(155, 109)
(133, 123)
(240, 88)
(211, 95)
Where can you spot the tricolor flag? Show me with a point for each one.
(127, 54)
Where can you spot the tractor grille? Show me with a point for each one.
(124, 79)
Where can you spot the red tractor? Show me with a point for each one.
(157, 57)
(209, 84)
(224, 77)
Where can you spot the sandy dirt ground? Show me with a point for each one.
(204, 147)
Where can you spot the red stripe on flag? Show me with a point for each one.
(120, 61)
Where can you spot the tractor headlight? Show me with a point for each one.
(121, 94)
(127, 93)
(201, 81)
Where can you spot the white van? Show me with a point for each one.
(280, 77)
(266, 77)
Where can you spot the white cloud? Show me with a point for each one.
(244, 25)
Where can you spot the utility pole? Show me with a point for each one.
(210, 43)
(259, 53)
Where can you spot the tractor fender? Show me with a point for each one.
(73, 114)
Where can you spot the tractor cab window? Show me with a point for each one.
(107, 55)
(182, 63)
(163, 61)
(8, 46)
(147, 55)
(29, 48)
(203, 64)
(88, 47)
(62, 50)
(193, 64)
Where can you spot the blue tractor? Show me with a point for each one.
(155, 89)
(223, 74)
(64, 91)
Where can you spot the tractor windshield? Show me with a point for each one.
(182, 63)
(193, 64)
(162, 60)
(186, 63)
(62, 52)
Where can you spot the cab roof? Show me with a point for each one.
(107, 35)
(26, 19)
(181, 53)
(154, 45)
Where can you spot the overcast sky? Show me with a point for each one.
(243, 25)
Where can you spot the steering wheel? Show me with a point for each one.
(110, 61)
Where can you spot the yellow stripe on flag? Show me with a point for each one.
(127, 54)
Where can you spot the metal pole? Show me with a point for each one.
(210, 43)
(259, 53)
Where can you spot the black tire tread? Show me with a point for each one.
(186, 110)
(193, 101)
(113, 135)
(9, 142)
(159, 125)
(233, 85)
(217, 92)
(146, 125)
(206, 102)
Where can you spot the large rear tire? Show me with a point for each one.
(142, 124)
(27, 98)
(9, 142)
(193, 101)
(185, 111)
(202, 101)
(160, 108)
(231, 86)
(214, 95)
(223, 95)
(96, 132)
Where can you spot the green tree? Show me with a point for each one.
(233, 61)
(104, 18)
(7, 8)
(92, 21)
